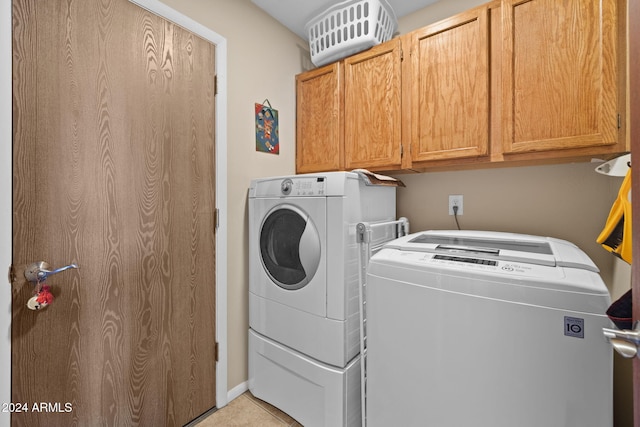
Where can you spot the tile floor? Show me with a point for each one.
(248, 411)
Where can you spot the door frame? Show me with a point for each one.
(6, 138)
(6, 233)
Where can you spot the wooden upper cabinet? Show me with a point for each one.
(450, 94)
(512, 80)
(560, 75)
(319, 130)
(372, 108)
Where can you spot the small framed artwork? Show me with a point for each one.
(267, 138)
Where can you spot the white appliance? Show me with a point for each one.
(303, 291)
(486, 329)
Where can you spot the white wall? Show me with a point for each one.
(434, 13)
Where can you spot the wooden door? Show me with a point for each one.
(372, 108)
(320, 119)
(113, 169)
(450, 88)
(560, 75)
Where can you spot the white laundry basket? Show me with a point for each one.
(349, 27)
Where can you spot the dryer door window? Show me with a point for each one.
(289, 247)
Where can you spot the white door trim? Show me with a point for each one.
(6, 137)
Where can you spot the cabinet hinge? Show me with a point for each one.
(619, 121)
(216, 351)
(401, 151)
(215, 85)
(216, 219)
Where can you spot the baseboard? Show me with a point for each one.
(237, 390)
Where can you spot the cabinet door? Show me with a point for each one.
(560, 72)
(450, 88)
(372, 108)
(319, 119)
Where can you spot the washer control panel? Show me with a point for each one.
(488, 265)
(303, 187)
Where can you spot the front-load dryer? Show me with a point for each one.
(303, 291)
(303, 257)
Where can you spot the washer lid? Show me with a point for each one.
(497, 245)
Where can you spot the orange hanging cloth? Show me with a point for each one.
(616, 235)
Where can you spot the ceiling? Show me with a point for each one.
(294, 14)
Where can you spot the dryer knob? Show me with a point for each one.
(286, 186)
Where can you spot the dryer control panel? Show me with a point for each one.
(311, 186)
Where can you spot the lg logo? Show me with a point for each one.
(574, 329)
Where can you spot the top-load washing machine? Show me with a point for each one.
(486, 329)
(303, 291)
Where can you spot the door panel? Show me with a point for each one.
(563, 76)
(290, 248)
(310, 293)
(320, 119)
(372, 101)
(450, 81)
(113, 170)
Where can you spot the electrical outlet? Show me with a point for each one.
(455, 200)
